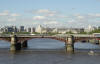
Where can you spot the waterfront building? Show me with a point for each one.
(90, 28)
(65, 30)
(49, 30)
(9, 29)
(76, 30)
(21, 29)
(55, 30)
(1, 30)
(28, 29)
(15, 29)
(32, 29)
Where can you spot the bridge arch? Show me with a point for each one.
(45, 43)
(4, 44)
(47, 38)
(29, 38)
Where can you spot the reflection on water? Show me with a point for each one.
(43, 57)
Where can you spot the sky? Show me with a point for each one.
(50, 13)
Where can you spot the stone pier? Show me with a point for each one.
(14, 44)
(70, 44)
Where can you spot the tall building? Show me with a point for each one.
(15, 29)
(39, 29)
(21, 29)
(9, 29)
(55, 30)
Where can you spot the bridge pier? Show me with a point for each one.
(24, 44)
(14, 45)
(70, 44)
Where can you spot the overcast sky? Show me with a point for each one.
(52, 13)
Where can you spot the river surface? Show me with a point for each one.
(48, 51)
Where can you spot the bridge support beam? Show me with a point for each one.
(24, 44)
(14, 45)
(70, 44)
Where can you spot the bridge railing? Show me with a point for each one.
(58, 35)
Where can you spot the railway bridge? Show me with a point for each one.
(20, 41)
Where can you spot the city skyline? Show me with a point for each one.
(54, 13)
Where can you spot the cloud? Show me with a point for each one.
(6, 17)
(4, 13)
(51, 22)
(50, 15)
(39, 17)
(96, 15)
(80, 20)
(7, 13)
(51, 18)
(43, 11)
(71, 21)
(12, 19)
(80, 17)
(47, 15)
(14, 14)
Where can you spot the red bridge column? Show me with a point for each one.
(70, 44)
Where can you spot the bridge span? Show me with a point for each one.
(20, 41)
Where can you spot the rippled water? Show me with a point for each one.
(48, 51)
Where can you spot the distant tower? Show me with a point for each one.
(39, 29)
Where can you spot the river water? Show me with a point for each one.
(48, 51)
